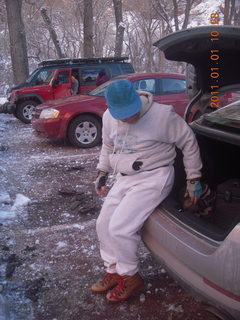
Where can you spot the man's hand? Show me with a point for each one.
(194, 190)
(100, 183)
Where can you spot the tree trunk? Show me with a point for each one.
(119, 27)
(187, 13)
(88, 29)
(237, 13)
(226, 20)
(18, 44)
(52, 32)
(175, 14)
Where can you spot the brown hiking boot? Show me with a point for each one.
(109, 281)
(127, 286)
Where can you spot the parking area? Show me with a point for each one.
(48, 246)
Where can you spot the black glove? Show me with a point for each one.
(101, 180)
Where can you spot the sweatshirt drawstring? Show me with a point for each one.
(113, 175)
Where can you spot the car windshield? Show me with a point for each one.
(41, 76)
(33, 74)
(228, 116)
(99, 91)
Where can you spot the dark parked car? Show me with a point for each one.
(52, 80)
(202, 250)
(78, 118)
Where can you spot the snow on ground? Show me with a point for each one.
(2, 100)
(49, 252)
(9, 212)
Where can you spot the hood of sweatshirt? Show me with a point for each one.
(147, 99)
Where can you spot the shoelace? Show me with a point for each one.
(119, 289)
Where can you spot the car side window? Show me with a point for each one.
(63, 77)
(89, 75)
(145, 85)
(172, 85)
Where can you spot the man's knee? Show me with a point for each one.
(116, 231)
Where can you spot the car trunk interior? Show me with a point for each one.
(220, 163)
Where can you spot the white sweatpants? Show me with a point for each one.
(128, 204)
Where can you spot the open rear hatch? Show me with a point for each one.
(212, 55)
(213, 52)
(209, 49)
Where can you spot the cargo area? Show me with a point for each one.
(220, 170)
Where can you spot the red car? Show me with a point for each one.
(53, 79)
(78, 118)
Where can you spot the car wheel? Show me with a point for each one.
(25, 110)
(85, 131)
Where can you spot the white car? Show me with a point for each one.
(202, 251)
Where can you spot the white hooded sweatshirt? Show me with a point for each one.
(148, 143)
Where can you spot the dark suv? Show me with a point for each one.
(52, 80)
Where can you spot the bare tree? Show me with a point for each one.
(231, 12)
(119, 27)
(92, 28)
(18, 44)
(103, 21)
(52, 32)
(88, 29)
(170, 11)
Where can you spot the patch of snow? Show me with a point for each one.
(60, 227)
(142, 297)
(7, 215)
(61, 244)
(20, 201)
(5, 198)
(10, 213)
(3, 100)
(173, 307)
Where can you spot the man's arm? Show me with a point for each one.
(107, 146)
(180, 133)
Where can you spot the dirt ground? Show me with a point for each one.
(49, 251)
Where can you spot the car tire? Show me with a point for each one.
(25, 110)
(85, 131)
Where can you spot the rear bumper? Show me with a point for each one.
(195, 262)
(8, 107)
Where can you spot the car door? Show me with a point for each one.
(61, 83)
(41, 84)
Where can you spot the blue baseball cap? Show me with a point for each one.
(122, 99)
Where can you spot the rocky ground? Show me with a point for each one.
(49, 252)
